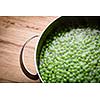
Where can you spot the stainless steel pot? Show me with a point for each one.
(58, 24)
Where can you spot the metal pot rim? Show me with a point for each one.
(35, 52)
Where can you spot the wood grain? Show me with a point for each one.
(14, 31)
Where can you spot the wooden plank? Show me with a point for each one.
(14, 31)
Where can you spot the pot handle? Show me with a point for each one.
(23, 67)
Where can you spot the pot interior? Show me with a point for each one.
(66, 22)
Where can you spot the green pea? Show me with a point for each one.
(93, 81)
(71, 80)
(53, 81)
(58, 76)
(64, 80)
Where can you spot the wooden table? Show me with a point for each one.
(14, 31)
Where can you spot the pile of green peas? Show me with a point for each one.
(71, 57)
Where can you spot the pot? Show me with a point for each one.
(58, 24)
